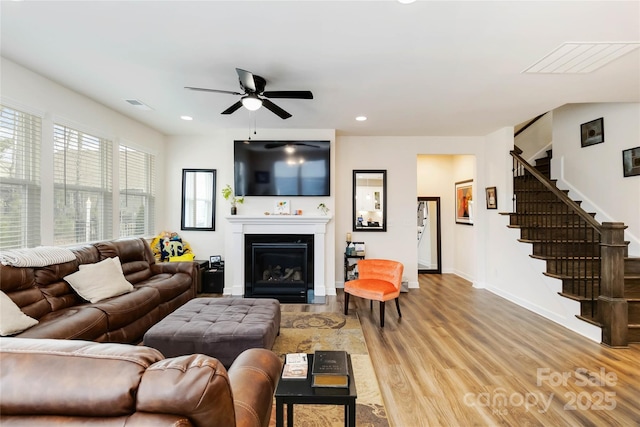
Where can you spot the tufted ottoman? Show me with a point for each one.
(219, 327)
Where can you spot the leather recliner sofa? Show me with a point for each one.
(159, 288)
(64, 382)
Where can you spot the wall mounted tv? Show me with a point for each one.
(282, 168)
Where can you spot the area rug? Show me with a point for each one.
(305, 332)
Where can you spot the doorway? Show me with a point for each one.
(429, 246)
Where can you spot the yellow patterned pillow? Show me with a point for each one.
(185, 257)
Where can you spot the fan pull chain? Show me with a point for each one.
(253, 113)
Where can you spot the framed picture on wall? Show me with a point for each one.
(492, 198)
(464, 202)
(592, 132)
(631, 162)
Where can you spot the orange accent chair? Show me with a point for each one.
(378, 279)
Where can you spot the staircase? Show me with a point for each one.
(591, 259)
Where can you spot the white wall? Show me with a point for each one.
(399, 156)
(30, 92)
(593, 174)
(536, 139)
(435, 179)
(464, 168)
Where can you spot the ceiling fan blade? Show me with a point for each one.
(233, 108)
(201, 89)
(246, 80)
(275, 109)
(291, 94)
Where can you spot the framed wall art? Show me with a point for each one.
(464, 202)
(631, 162)
(592, 132)
(492, 197)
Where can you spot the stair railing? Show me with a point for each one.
(587, 256)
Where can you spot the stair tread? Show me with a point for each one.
(589, 320)
(550, 213)
(566, 276)
(576, 297)
(559, 241)
(551, 226)
(567, 258)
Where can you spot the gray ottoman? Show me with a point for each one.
(219, 327)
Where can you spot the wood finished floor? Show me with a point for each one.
(465, 357)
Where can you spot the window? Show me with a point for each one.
(20, 141)
(82, 186)
(137, 192)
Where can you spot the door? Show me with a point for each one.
(428, 230)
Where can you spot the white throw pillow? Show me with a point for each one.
(114, 260)
(102, 280)
(12, 319)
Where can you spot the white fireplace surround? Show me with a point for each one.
(276, 224)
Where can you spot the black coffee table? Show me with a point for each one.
(299, 392)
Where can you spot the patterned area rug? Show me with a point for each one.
(302, 332)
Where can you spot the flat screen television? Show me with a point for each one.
(282, 168)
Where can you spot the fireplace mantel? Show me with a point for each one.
(277, 224)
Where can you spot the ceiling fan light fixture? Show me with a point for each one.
(251, 102)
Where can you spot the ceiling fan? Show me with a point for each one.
(254, 95)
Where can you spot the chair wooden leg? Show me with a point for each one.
(371, 304)
(346, 303)
(398, 306)
(382, 314)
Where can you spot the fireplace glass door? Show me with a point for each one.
(278, 269)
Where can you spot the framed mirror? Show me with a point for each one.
(369, 200)
(198, 199)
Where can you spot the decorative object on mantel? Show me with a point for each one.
(282, 207)
(227, 193)
(323, 208)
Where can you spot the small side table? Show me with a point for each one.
(299, 392)
(350, 260)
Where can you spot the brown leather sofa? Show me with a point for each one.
(72, 383)
(159, 288)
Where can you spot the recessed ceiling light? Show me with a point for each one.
(186, 118)
(361, 118)
(406, 1)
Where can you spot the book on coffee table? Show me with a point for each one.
(296, 366)
(330, 369)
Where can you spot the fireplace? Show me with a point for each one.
(279, 266)
(278, 225)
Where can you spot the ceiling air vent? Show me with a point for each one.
(579, 57)
(139, 104)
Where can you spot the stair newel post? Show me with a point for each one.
(612, 305)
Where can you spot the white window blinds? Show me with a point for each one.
(137, 192)
(20, 141)
(82, 187)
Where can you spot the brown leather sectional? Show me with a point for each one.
(159, 288)
(73, 383)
